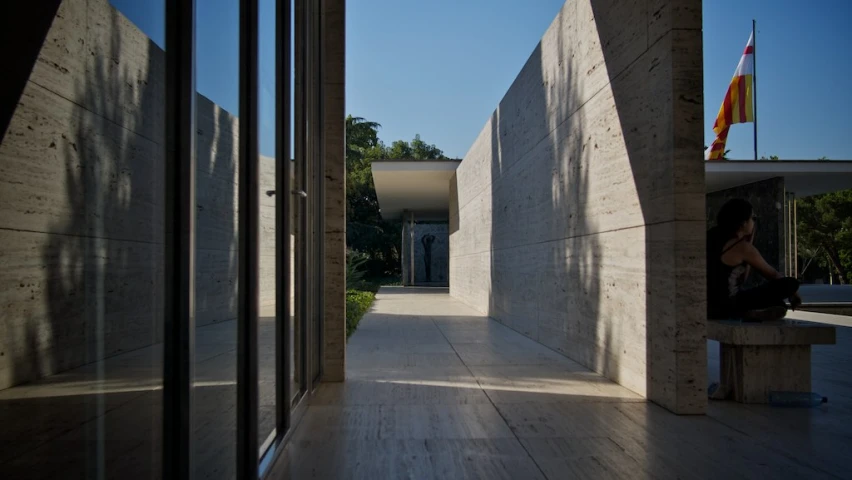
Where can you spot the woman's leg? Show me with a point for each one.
(770, 294)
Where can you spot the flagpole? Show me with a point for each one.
(754, 81)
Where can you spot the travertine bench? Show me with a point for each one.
(757, 358)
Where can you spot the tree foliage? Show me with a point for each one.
(825, 230)
(417, 149)
(366, 232)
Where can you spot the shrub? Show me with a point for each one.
(357, 304)
(374, 284)
(355, 270)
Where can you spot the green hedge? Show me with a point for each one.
(357, 304)
(374, 284)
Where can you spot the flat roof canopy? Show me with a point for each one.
(801, 177)
(421, 186)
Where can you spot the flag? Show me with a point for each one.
(738, 106)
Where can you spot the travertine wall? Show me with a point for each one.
(81, 201)
(333, 17)
(577, 216)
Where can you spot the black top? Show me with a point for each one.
(723, 281)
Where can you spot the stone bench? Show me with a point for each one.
(757, 358)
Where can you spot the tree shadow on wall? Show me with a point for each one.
(102, 264)
(545, 254)
(216, 214)
(216, 289)
(102, 260)
(550, 279)
(656, 78)
(105, 270)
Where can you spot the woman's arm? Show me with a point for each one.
(753, 258)
(750, 240)
(747, 272)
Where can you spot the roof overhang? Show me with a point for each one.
(419, 186)
(423, 186)
(801, 177)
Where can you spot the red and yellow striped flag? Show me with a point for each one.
(738, 106)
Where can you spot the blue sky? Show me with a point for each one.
(440, 68)
(804, 67)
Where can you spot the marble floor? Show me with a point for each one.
(435, 390)
(106, 417)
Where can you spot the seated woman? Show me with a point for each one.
(730, 256)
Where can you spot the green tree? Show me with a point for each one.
(417, 149)
(361, 136)
(421, 150)
(367, 232)
(825, 225)
(400, 150)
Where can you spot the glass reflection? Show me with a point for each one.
(214, 407)
(81, 243)
(267, 327)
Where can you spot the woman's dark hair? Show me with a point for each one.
(732, 215)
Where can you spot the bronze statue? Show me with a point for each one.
(427, 241)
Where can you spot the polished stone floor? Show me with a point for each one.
(106, 417)
(435, 390)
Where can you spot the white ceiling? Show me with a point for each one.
(423, 187)
(420, 186)
(801, 177)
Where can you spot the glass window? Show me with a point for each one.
(267, 327)
(214, 406)
(82, 243)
